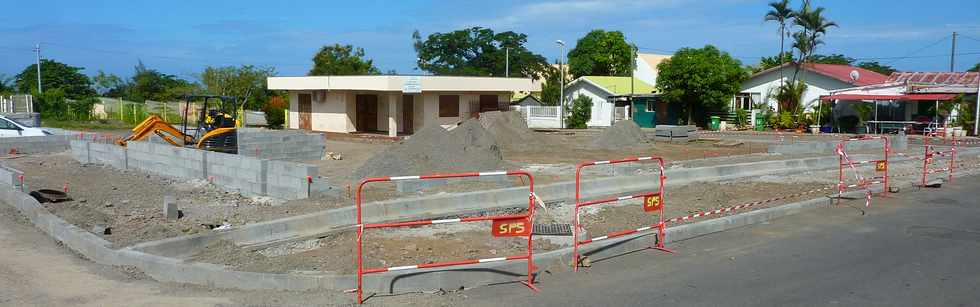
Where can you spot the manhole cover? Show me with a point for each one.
(553, 229)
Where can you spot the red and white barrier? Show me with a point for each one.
(652, 202)
(931, 154)
(513, 225)
(881, 166)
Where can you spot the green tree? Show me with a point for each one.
(773, 61)
(836, 58)
(877, 67)
(975, 68)
(6, 85)
(150, 84)
(477, 52)
(705, 77)
(601, 53)
(580, 114)
(342, 60)
(104, 83)
(246, 82)
(551, 89)
(780, 13)
(55, 75)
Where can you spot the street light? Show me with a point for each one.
(561, 88)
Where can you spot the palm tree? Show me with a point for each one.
(780, 13)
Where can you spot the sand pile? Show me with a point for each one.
(432, 149)
(624, 133)
(510, 130)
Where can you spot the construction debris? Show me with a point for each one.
(624, 133)
(432, 149)
(333, 156)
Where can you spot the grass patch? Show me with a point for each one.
(87, 125)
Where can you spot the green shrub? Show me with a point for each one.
(580, 114)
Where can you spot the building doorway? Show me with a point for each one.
(408, 114)
(366, 112)
(488, 103)
(305, 111)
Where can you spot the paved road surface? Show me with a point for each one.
(918, 249)
(922, 249)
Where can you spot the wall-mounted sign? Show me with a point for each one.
(412, 85)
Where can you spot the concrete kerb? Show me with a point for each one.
(175, 270)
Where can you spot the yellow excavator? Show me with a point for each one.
(215, 130)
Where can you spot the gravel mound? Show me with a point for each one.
(510, 131)
(468, 147)
(624, 133)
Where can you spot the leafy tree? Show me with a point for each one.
(55, 75)
(551, 89)
(813, 26)
(150, 84)
(274, 111)
(975, 68)
(601, 53)
(773, 61)
(581, 113)
(6, 85)
(477, 52)
(247, 82)
(838, 59)
(780, 13)
(705, 77)
(105, 83)
(342, 60)
(877, 67)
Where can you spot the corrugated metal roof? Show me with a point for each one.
(949, 78)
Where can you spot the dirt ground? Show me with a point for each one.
(131, 203)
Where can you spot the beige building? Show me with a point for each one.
(392, 104)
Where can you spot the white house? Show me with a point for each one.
(821, 80)
(606, 93)
(392, 104)
(646, 67)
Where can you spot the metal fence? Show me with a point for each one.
(17, 104)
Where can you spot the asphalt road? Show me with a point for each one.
(919, 249)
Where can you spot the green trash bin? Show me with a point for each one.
(760, 123)
(715, 124)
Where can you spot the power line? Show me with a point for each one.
(171, 58)
(943, 39)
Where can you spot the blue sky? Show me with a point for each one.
(182, 37)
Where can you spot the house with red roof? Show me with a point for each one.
(821, 80)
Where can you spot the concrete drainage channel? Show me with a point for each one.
(164, 260)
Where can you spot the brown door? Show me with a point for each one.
(367, 112)
(408, 113)
(305, 111)
(661, 112)
(488, 103)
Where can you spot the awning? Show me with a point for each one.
(890, 97)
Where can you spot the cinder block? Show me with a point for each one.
(170, 210)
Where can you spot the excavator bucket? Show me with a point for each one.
(156, 125)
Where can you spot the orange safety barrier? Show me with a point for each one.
(652, 202)
(511, 225)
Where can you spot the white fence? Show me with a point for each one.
(17, 104)
(540, 116)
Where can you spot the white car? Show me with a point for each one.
(9, 128)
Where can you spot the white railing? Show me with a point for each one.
(17, 104)
(540, 116)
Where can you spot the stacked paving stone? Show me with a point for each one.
(676, 134)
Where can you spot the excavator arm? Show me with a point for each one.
(156, 125)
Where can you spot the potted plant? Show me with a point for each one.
(863, 113)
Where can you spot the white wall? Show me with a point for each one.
(817, 85)
(644, 72)
(602, 110)
(330, 113)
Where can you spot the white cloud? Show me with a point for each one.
(563, 12)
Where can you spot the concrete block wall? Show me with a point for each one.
(246, 175)
(291, 145)
(899, 143)
(34, 144)
(288, 180)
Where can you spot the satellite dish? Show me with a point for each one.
(855, 75)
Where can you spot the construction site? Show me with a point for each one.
(484, 201)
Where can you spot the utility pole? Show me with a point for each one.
(507, 62)
(37, 51)
(561, 89)
(976, 111)
(952, 55)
